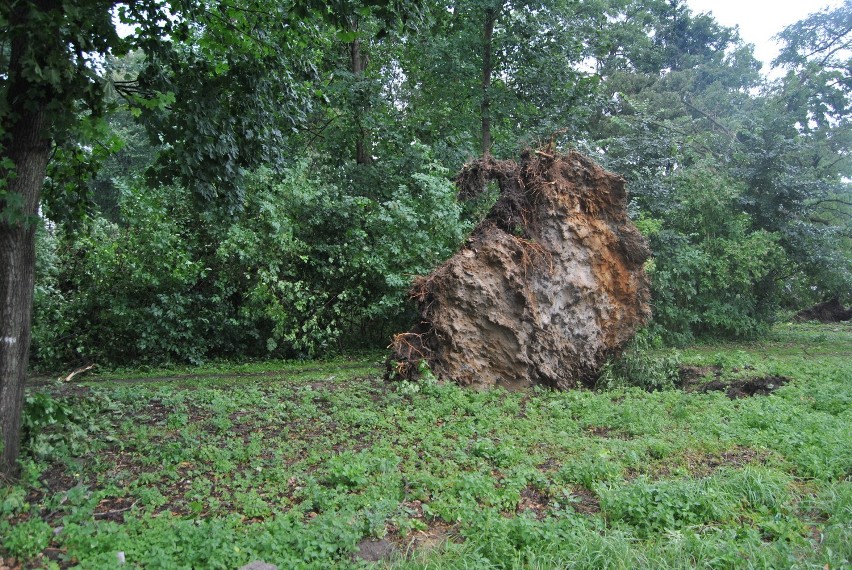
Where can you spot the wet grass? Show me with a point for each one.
(321, 465)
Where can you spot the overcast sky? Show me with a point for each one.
(759, 20)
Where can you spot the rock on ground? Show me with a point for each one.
(548, 286)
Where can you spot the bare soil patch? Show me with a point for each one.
(535, 501)
(692, 376)
(375, 550)
(586, 503)
(831, 311)
(705, 379)
(747, 387)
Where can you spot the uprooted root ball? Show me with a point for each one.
(547, 287)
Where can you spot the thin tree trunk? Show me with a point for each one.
(362, 142)
(28, 146)
(487, 70)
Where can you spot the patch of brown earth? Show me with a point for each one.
(695, 379)
(585, 501)
(607, 433)
(9, 564)
(746, 387)
(534, 501)
(831, 311)
(698, 463)
(375, 550)
(692, 376)
(705, 464)
(436, 534)
(113, 508)
(547, 287)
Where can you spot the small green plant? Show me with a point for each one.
(639, 366)
(655, 507)
(347, 471)
(589, 470)
(55, 426)
(26, 539)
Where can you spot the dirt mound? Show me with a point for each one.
(831, 311)
(548, 286)
(747, 387)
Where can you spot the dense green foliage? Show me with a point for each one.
(712, 272)
(308, 263)
(329, 202)
(297, 464)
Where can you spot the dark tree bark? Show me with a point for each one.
(487, 70)
(358, 64)
(27, 144)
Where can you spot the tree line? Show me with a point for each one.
(263, 178)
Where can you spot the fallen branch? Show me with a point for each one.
(77, 372)
(105, 514)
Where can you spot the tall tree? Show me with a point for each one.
(48, 76)
(489, 20)
(796, 153)
(220, 83)
(513, 66)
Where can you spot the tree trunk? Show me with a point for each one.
(487, 49)
(362, 143)
(28, 146)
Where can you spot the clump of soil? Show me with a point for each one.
(694, 379)
(547, 287)
(746, 387)
(375, 550)
(831, 311)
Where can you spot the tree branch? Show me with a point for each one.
(723, 128)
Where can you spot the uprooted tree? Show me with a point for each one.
(549, 285)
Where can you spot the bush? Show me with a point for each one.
(639, 366)
(313, 262)
(138, 291)
(327, 263)
(712, 275)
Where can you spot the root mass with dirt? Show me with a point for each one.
(549, 285)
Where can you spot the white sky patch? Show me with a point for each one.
(759, 20)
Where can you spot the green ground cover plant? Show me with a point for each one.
(317, 464)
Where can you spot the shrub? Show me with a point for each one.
(312, 262)
(639, 366)
(712, 274)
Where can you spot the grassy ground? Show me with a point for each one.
(321, 465)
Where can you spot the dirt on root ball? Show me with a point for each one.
(549, 285)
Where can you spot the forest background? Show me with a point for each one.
(264, 180)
